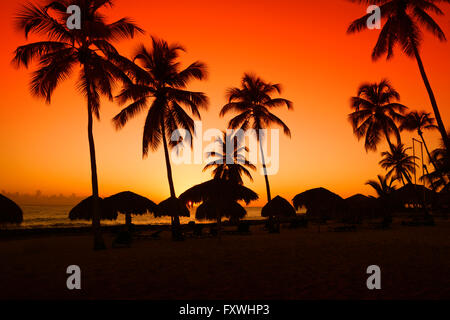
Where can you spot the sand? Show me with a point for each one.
(296, 264)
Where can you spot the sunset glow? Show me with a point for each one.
(302, 45)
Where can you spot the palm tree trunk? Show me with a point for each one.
(265, 171)
(176, 219)
(99, 244)
(437, 114)
(391, 146)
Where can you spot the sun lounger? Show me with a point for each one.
(346, 228)
(123, 240)
(149, 236)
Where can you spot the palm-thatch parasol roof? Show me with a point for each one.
(84, 210)
(360, 206)
(278, 207)
(220, 191)
(10, 212)
(321, 202)
(209, 211)
(130, 203)
(172, 207)
(413, 193)
(318, 197)
(359, 201)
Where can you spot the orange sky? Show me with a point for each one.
(301, 44)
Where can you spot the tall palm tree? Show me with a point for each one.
(398, 163)
(88, 51)
(376, 113)
(403, 19)
(230, 163)
(159, 85)
(253, 101)
(419, 121)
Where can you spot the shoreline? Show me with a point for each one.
(83, 230)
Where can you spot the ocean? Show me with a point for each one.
(52, 216)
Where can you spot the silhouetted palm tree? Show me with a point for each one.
(160, 85)
(230, 163)
(399, 163)
(403, 19)
(383, 187)
(253, 102)
(64, 51)
(376, 114)
(419, 121)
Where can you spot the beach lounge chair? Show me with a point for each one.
(243, 228)
(345, 228)
(419, 222)
(298, 223)
(149, 236)
(123, 240)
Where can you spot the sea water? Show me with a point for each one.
(52, 216)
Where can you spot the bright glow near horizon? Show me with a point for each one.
(302, 45)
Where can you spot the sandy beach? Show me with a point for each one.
(296, 264)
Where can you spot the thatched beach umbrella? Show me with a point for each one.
(320, 203)
(172, 207)
(278, 207)
(83, 210)
(10, 212)
(209, 211)
(413, 194)
(361, 206)
(130, 203)
(221, 193)
(218, 190)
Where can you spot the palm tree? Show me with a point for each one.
(383, 187)
(399, 163)
(160, 85)
(88, 51)
(376, 114)
(419, 121)
(402, 27)
(253, 102)
(230, 163)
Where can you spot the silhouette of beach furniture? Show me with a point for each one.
(85, 209)
(419, 222)
(383, 224)
(344, 228)
(194, 230)
(321, 205)
(129, 203)
(242, 229)
(298, 222)
(156, 235)
(173, 207)
(276, 209)
(123, 239)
